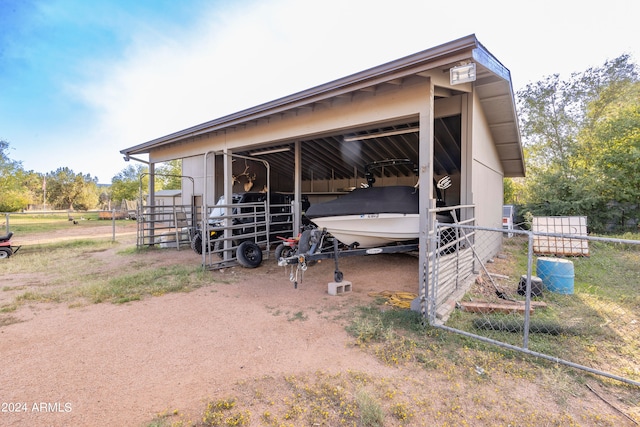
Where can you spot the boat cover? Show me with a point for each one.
(371, 200)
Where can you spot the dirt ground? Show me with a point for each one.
(121, 365)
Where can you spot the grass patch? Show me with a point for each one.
(124, 288)
(356, 398)
(371, 413)
(8, 308)
(371, 323)
(8, 320)
(55, 259)
(154, 282)
(25, 224)
(73, 271)
(223, 413)
(299, 315)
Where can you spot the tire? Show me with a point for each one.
(5, 253)
(249, 255)
(307, 241)
(218, 246)
(196, 244)
(303, 243)
(284, 251)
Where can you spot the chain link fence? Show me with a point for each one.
(582, 311)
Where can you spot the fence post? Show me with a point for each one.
(113, 225)
(7, 222)
(527, 302)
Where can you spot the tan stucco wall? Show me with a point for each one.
(486, 184)
(487, 173)
(194, 167)
(386, 103)
(389, 103)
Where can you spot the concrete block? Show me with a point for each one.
(339, 288)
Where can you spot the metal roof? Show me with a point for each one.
(400, 140)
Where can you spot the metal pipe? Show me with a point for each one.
(540, 355)
(527, 301)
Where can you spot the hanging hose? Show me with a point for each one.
(396, 299)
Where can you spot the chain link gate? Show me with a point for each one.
(583, 312)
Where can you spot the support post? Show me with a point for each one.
(297, 189)
(228, 200)
(425, 180)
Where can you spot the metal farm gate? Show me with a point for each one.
(228, 225)
(221, 233)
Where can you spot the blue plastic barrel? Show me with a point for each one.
(557, 274)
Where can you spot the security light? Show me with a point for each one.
(463, 73)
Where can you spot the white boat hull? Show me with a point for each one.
(371, 230)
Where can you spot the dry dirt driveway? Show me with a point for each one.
(117, 365)
(121, 365)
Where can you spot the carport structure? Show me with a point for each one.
(450, 109)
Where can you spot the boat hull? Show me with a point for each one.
(371, 230)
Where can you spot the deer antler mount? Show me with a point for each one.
(249, 178)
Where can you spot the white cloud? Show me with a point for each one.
(236, 58)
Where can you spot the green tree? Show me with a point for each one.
(126, 184)
(548, 123)
(611, 152)
(68, 190)
(514, 189)
(13, 194)
(168, 175)
(34, 183)
(578, 136)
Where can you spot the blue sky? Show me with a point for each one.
(82, 79)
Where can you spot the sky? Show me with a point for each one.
(81, 80)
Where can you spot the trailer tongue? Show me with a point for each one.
(315, 245)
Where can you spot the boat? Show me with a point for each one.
(370, 217)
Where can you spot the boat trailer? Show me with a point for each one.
(315, 245)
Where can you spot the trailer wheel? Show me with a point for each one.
(338, 276)
(5, 253)
(284, 251)
(249, 254)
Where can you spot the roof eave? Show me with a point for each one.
(418, 62)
